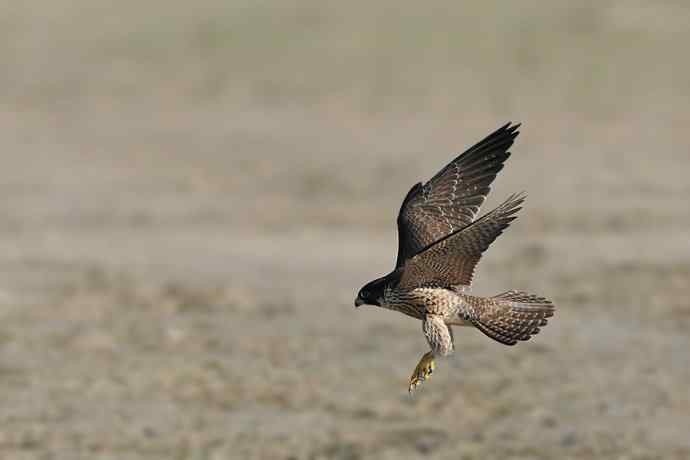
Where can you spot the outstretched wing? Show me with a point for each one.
(451, 260)
(450, 200)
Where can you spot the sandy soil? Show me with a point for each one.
(181, 249)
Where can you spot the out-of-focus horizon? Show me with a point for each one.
(193, 194)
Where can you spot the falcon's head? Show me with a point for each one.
(371, 293)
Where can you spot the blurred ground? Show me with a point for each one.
(192, 195)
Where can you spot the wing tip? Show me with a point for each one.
(520, 196)
(510, 128)
(514, 201)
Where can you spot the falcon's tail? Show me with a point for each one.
(516, 316)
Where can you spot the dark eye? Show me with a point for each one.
(364, 294)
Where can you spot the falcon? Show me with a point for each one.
(439, 245)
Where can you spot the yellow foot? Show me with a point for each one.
(422, 372)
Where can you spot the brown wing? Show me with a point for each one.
(451, 261)
(451, 199)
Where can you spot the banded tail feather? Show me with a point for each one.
(515, 316)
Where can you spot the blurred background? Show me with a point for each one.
(193, 193)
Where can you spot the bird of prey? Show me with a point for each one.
(439, 245)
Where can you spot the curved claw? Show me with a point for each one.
(422, 372)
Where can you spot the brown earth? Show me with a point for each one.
(193, 193)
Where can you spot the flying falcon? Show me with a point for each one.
(439, 245)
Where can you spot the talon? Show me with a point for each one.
(423, 371)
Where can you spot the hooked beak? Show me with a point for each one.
(358, 301)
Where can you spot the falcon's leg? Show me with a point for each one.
(440, 339)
